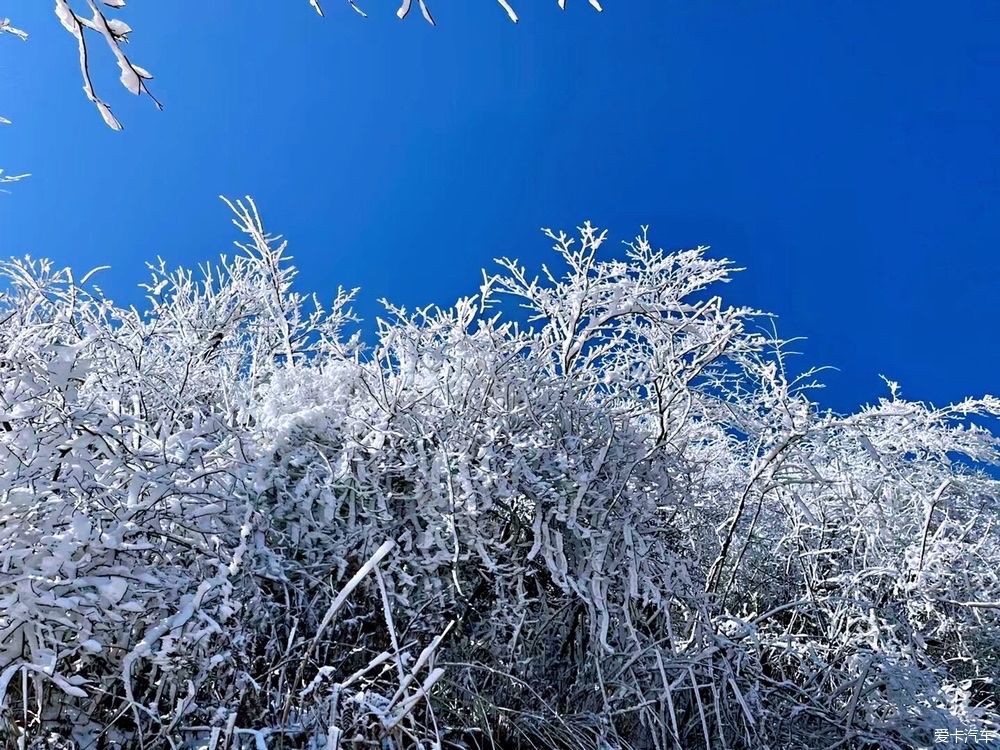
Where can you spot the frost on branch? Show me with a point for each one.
(92, 17)
(406, 5)
(115, 33)
(7, 28)
(226, 523)
(8, 178)
(89, 20)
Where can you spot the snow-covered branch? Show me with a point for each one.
(85, 20)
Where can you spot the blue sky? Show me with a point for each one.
(847, 154)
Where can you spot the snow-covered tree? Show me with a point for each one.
(225, 522)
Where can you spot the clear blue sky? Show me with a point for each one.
(846, 153)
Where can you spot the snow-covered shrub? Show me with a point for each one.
(619, 524)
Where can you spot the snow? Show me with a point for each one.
(266, 528)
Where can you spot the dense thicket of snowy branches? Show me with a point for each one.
(225, 523)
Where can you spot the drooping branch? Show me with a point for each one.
(133, 77)
(93, 19)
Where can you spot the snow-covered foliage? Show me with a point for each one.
(224, 522)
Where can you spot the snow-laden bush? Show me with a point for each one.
(621, 523)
